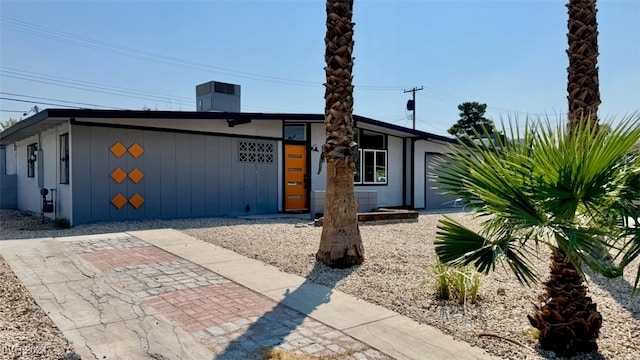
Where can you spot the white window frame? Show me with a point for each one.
(361, 153)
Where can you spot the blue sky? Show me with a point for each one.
(510, 55)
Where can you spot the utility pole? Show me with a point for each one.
(411, 104)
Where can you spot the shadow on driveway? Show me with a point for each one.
(273, 327)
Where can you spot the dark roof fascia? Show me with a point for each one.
(23, 124)
(145, 114)
(410, 132)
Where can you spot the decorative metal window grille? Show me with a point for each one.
(255, 152)
(32, 155)
(64, 158)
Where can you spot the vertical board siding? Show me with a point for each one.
(211, 178)
(185, 176)
(197, 176)
(152, 182)
(99, 174)
(168, 174)
(226, 151)
(8, 191)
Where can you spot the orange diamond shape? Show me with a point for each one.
(136, 175)
(118, 175)
(136, 200)
(119, 201)
(118, 149)
(136, 150)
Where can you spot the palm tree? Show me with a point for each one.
(571, 193)
(583, 83)
(340, 242)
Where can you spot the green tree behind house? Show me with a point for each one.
(472, 121)
(7, 124)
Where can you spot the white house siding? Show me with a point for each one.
(61, 193)
(29, 198)
(390, 194)
(185, 175)
(262, 128)
(47, 173)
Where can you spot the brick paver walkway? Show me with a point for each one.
(232, 321)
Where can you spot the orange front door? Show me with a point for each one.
(295, 178)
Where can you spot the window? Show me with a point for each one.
(372, 140)
(371, 163)
(32, 151)
(64, 158)
(374, 166)
(295, 132)
(357, 177)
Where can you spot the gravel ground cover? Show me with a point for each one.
(26, 332)
(397, 274)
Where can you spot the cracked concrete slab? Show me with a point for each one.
(101, 319)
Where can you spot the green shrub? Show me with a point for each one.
(463, 283)
(442, 283)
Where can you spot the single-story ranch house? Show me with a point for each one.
(113, 165)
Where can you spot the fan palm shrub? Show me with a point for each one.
(571, 192)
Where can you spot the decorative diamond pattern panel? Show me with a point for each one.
(136, 150)
(136, 200)
(255, 152)
(119, 201)
(118, 149)
(118, 175)
(136, 175)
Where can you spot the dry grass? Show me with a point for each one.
(277, 354)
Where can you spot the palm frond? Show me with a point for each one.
(578, 185)
(455, 244)
(586, 245)
(632, 252)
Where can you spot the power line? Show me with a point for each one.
(33, 29)
(36, 102)
(20, 72)
(49, 99)
(93, 88)
(82, 41)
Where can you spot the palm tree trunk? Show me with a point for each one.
(568, 320)
(340, 242)
(583, 83)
